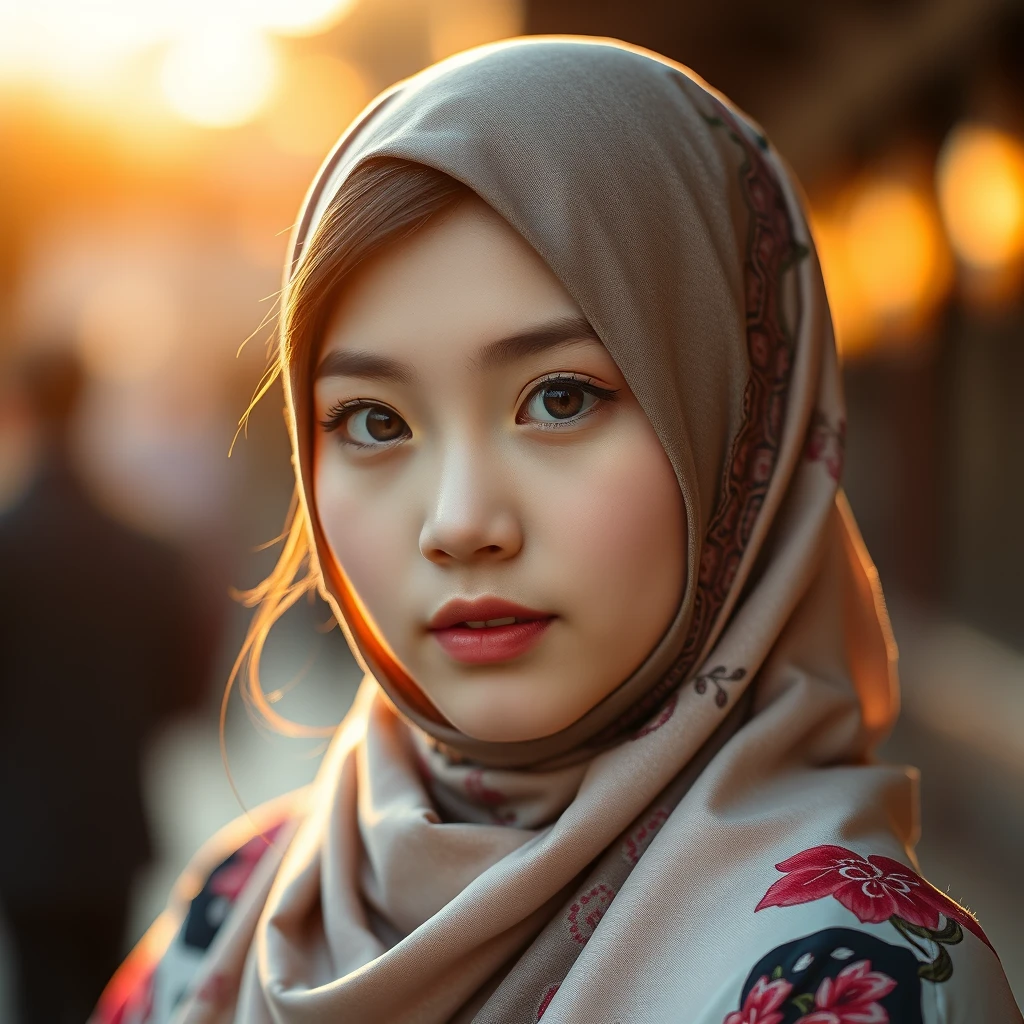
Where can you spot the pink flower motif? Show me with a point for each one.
(852, 997)
(762, 1003)
(874, 889)
(640, 838)
(587, 911)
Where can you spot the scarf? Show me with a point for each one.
(618, 869)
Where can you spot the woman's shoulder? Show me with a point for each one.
(866, 935)
(160, 969)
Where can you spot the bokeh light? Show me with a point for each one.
(294, 17)
(851, 319)
(218, 70)
(65, 40)
(884, 258)
(980, 178)
(893, 242)
(220, 76)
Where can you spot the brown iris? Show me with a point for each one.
(562, 401)
(384, 425)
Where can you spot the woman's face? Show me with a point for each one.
(476, 443)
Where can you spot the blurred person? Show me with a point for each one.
(102, 637)
(567, 428)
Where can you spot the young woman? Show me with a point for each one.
(567, 430)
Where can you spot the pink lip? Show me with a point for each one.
(480, 610)
(490, 643)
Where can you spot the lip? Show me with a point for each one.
(490, 643)
(480, 610)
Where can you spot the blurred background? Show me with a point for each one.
(153, 155)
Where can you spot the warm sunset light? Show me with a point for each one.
(980, 178)
(894, 246)
(293, 17)
(460, 24)
(215, 55)
(319, 96)
(219, 77)
(63, 42)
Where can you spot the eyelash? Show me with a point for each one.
(337, 413)
(585, 384)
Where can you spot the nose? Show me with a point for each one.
(473, 516)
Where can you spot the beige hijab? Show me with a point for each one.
(610, 872)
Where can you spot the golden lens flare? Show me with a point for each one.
(294, 17)
(219, 77)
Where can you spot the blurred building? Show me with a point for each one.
(154, 159)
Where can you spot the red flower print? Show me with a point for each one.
(479, 790)
(874, 889)
(587, 911)
(762, 1003)
(640, 838)
(827, 444)
(852, 997)
(546, 1000)
(663, 716)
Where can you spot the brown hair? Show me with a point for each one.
(382, 201)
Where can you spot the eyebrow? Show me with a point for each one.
(551, 334)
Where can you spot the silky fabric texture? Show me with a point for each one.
(611, 872)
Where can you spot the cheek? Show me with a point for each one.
(626, 537)
(365, 532)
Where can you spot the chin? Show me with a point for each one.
(506, 714)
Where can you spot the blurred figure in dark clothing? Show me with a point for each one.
(101, 638)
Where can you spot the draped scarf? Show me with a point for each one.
(612, 871)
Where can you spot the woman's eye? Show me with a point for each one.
(367, 426)
(558, 401)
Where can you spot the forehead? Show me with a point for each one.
(463, 279)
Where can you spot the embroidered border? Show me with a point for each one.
(771, 250)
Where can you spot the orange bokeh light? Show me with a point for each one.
(980, 178)
(884, 258)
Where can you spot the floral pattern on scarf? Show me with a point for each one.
(834, 976)
(878, 889)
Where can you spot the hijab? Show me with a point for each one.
(609, 872)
